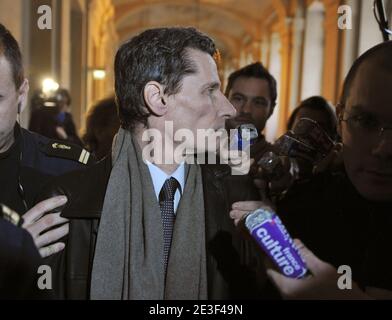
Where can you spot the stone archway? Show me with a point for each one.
(313, 56)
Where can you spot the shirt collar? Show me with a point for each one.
(159, 177)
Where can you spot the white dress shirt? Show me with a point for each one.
(159, 177)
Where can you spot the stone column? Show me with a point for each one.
(350, 39)
(296, 60)
(11, 17)
(369, 32)
(65, 44)
(276, 69)
(286, 31)
(331, 51)
(313, 57)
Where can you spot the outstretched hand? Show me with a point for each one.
(322, 284)
(41, 225)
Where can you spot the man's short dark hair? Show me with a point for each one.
(254, 70)
(9, 48)
(154, 55)
(357, 63)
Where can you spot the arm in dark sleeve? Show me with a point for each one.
(19, 263)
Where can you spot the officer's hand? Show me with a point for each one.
(36, 223)
(322, 284)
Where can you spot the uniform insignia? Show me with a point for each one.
(65, 150)
(10, 215)
(84, 156)
(60, 146)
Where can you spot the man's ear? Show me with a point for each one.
(23, 93)
(339, 115)
(154, 98)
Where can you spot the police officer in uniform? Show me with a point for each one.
(28, 160)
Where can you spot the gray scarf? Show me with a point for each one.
(128, 260)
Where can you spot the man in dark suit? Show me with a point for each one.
(146, 228)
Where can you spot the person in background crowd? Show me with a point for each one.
(67, 129)
(101, 125)
(253, 93)
(317, 109)
(52, 118)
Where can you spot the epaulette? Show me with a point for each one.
(66, 150)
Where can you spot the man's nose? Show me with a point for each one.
(383, 149)
(246, 107)
(226, 108)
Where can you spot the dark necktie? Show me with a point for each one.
(166, 202)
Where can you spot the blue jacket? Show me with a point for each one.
(52, 157)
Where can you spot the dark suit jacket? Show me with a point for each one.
(229, 257)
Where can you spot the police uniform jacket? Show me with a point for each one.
(38, 160)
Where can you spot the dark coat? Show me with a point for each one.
(39, 159)
(229, 272)
(341, 227)
(19, 262)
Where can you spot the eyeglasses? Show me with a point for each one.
(366, 123)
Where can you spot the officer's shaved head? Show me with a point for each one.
(9, 49)
(13, 87)
(380, 56)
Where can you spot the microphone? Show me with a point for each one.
(268, 231)
(244, 136)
